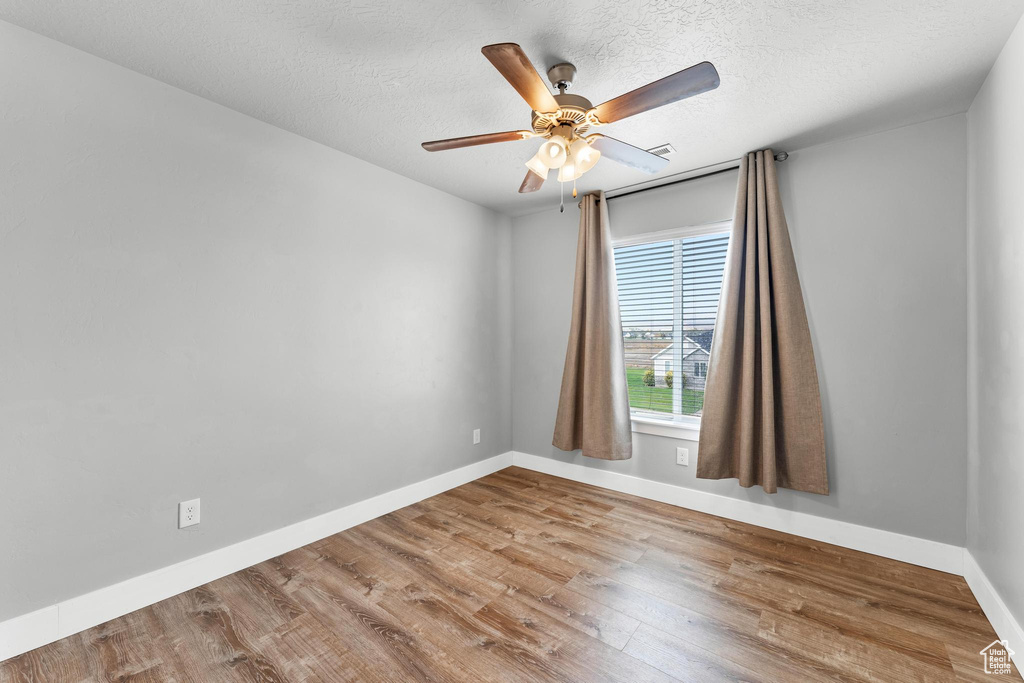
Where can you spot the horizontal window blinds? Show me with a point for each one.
(668, 299)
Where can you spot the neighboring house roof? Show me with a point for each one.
(702, 338)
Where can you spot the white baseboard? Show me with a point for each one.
(29, 631)
(932, 554)
(941, 556)
(1003, 621)
(36, 629)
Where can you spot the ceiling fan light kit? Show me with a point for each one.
(555, 149)
(583, 155)
(564, 120)
(537, 165)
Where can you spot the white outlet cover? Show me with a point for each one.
(683, 457)
(476, 436)
(188, 513)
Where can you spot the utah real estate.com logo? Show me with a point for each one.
(997, 657)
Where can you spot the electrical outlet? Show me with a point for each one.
(188, 513)
(476, 436)
(683, 457)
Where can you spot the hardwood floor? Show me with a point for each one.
(523, 576)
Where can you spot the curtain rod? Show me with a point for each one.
(692, 174)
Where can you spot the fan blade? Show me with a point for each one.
(511, 61)
(627, 154)
(472, 140)
(531, 183)
(686, 83)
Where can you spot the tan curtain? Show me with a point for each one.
(761, 421)
(593, 407)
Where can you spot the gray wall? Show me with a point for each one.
(995, 535)
(879, 228)
(197, 304)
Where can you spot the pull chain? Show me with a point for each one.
(574, 188)
(561, 197)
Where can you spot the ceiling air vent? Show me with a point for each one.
(663, 150)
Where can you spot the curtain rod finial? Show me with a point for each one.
(781, 156)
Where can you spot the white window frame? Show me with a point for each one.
(645, 422)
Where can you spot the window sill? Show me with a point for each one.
(666, 428)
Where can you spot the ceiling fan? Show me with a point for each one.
(564, 120)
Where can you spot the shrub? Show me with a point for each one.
(649, 377)
(668, 379)
(682, 381)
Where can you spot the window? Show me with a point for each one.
(669, 286)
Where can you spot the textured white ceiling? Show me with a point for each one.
(375, 78)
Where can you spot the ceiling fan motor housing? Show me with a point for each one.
(572, 111)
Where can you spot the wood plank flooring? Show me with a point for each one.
(522, 576)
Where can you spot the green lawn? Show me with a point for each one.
(659, 399)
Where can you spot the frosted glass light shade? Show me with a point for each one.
(537, 165)
(583, 155)
(554, 151)
(569, 172)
